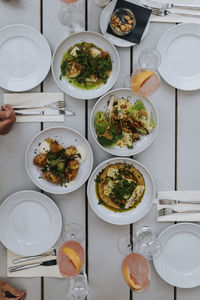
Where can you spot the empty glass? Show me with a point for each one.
(71, 15)
(78, 288)
(148, 244)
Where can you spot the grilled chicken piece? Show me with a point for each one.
(72, 170)
(40, 160)
(55, 147)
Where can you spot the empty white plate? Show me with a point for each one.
(30, 223)
(25, 57)
(179, 48)
(99, 41)
(126, 217)
(66, 137)
(179, 262)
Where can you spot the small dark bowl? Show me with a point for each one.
(121, 13)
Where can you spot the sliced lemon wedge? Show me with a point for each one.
(140, 79)
(130, 279)
(73, 257)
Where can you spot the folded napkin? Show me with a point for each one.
(183, 196)
(171, 18)
(7, 291)
(41, 271)
(30, 99)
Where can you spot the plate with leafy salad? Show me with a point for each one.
(85, 65)
(122, 123)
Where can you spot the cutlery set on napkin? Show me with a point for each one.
(38, 107)
(173, 12)
(177, 206)
(43, 265)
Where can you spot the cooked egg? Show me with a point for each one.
(44, 147)
(83, 154)
(112, 172)
(137, 193)
(95, 52)
(73, 51)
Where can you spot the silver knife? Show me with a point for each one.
(165, 5)
(27, 258)
(48, 263)
(42, 113)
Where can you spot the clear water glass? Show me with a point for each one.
(78, 288)
(73, 232)
(71, 15)
(148, 244)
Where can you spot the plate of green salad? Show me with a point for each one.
(122, 123)
(85, 65)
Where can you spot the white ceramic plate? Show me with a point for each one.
(25, 57)
(138, 146)
(66, 137)
(104, 21)
(180, 60)
(30, 223)
(179, 262)
(99, 41)
(122, 218)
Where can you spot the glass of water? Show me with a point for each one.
(147, 243)
(78, 288)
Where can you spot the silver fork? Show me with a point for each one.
(56, 105)
(164, 12)
(178, 209)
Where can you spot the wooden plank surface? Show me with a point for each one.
(188, 164)
(103, 257)
(13, 176)
(72, 206)
(159, 159)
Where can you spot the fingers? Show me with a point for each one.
(5, 126)
(3, 115)
(9, 112)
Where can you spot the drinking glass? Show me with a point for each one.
(148, 244)
(71, 15)
(145, 80)
(70, 259)
(78, 288)
(135, 267)
(74, 232)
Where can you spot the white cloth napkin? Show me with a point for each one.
(171, 18)
(41, 271)
(184, 196)
(30, 99)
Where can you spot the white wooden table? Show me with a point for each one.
(173, 160)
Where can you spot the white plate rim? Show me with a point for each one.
(163, 73)
(136, 164)
(117, 42)
(161, 235)
(49, 54)
(132, 151)
(47, 198)
(73, 131)
(78, 33)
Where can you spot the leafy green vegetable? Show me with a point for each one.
(138, 105)
(107, 135)
(122, 189)
(95, 70)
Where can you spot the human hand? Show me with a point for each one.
(7, 291)
(7, 119)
